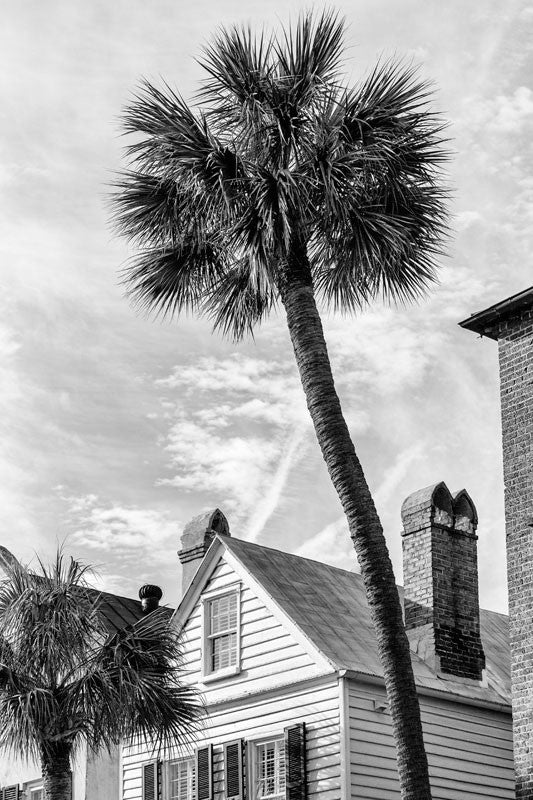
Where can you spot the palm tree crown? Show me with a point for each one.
(280, 152)
(64, 679)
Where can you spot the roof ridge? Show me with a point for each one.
(235, 540)
(245, 542)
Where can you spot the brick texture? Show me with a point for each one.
(441, 581)
(515, 342)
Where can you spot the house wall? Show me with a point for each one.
(315, 703)
(93, 777)
(102, 776)
(270, 655)
(469, 749)
(280, 683)
(15, 771)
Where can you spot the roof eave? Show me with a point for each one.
(427, 691)
(483, 322)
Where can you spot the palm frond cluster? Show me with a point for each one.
(276, 153)
(64, 678)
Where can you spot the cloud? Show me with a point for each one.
(237, 429)
(121, 530)
(267, 505)
(511, 113)
(19, 530)
(466, 219)
(332, 543)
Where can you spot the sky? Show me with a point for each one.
(117, 429)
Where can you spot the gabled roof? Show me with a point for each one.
(329, 606)
(117, 612)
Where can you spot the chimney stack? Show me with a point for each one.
(195, 540)
(510, 323)
(441, 582)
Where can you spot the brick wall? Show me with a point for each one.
(515, 342)
(440, 581)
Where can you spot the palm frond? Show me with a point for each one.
(150, 210)
(239, 63)
(383, 248)
(133, 683)
(241, 299)
(309, 55)
(170, 280)
(178, 145)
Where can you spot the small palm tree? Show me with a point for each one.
(282, 186)
(65, 680)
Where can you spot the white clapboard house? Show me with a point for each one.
(283, 652)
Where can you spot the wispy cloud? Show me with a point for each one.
(333, 544)
(236, 431)
(121, 530)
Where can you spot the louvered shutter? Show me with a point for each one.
(150, 781)
(204, 773)
(234, 770)
(10, 793)
(295, 762)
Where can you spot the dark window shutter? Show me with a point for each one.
(10, 793)
(295, 762)
(234, 770)
(150, 781)
(204, 773)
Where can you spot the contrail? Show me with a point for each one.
(270, 502)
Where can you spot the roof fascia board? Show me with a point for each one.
(277, 691)
(198, 583)
(279, 613)
(481, 321)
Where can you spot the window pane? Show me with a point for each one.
(270, 770)
(181, 780)
(223, 651)
(223, 613)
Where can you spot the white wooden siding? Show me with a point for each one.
(469, 749)
(280, 683)
(316, 704)
(270, 656)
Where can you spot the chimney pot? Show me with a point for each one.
(150, 595)
(195, 541)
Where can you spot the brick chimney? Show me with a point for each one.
(440, 581)
(510, 323)
(195, 540)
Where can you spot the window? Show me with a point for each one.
(180, 780)
(269, 770)
(221, 622)
(32, 790)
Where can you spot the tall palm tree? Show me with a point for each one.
(282, 186)
(65, 680)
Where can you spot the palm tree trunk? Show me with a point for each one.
(346, 473)
(57, 777)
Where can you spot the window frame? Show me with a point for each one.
(29, 787)
(253, 761)
(191, 778)
(208, 674)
